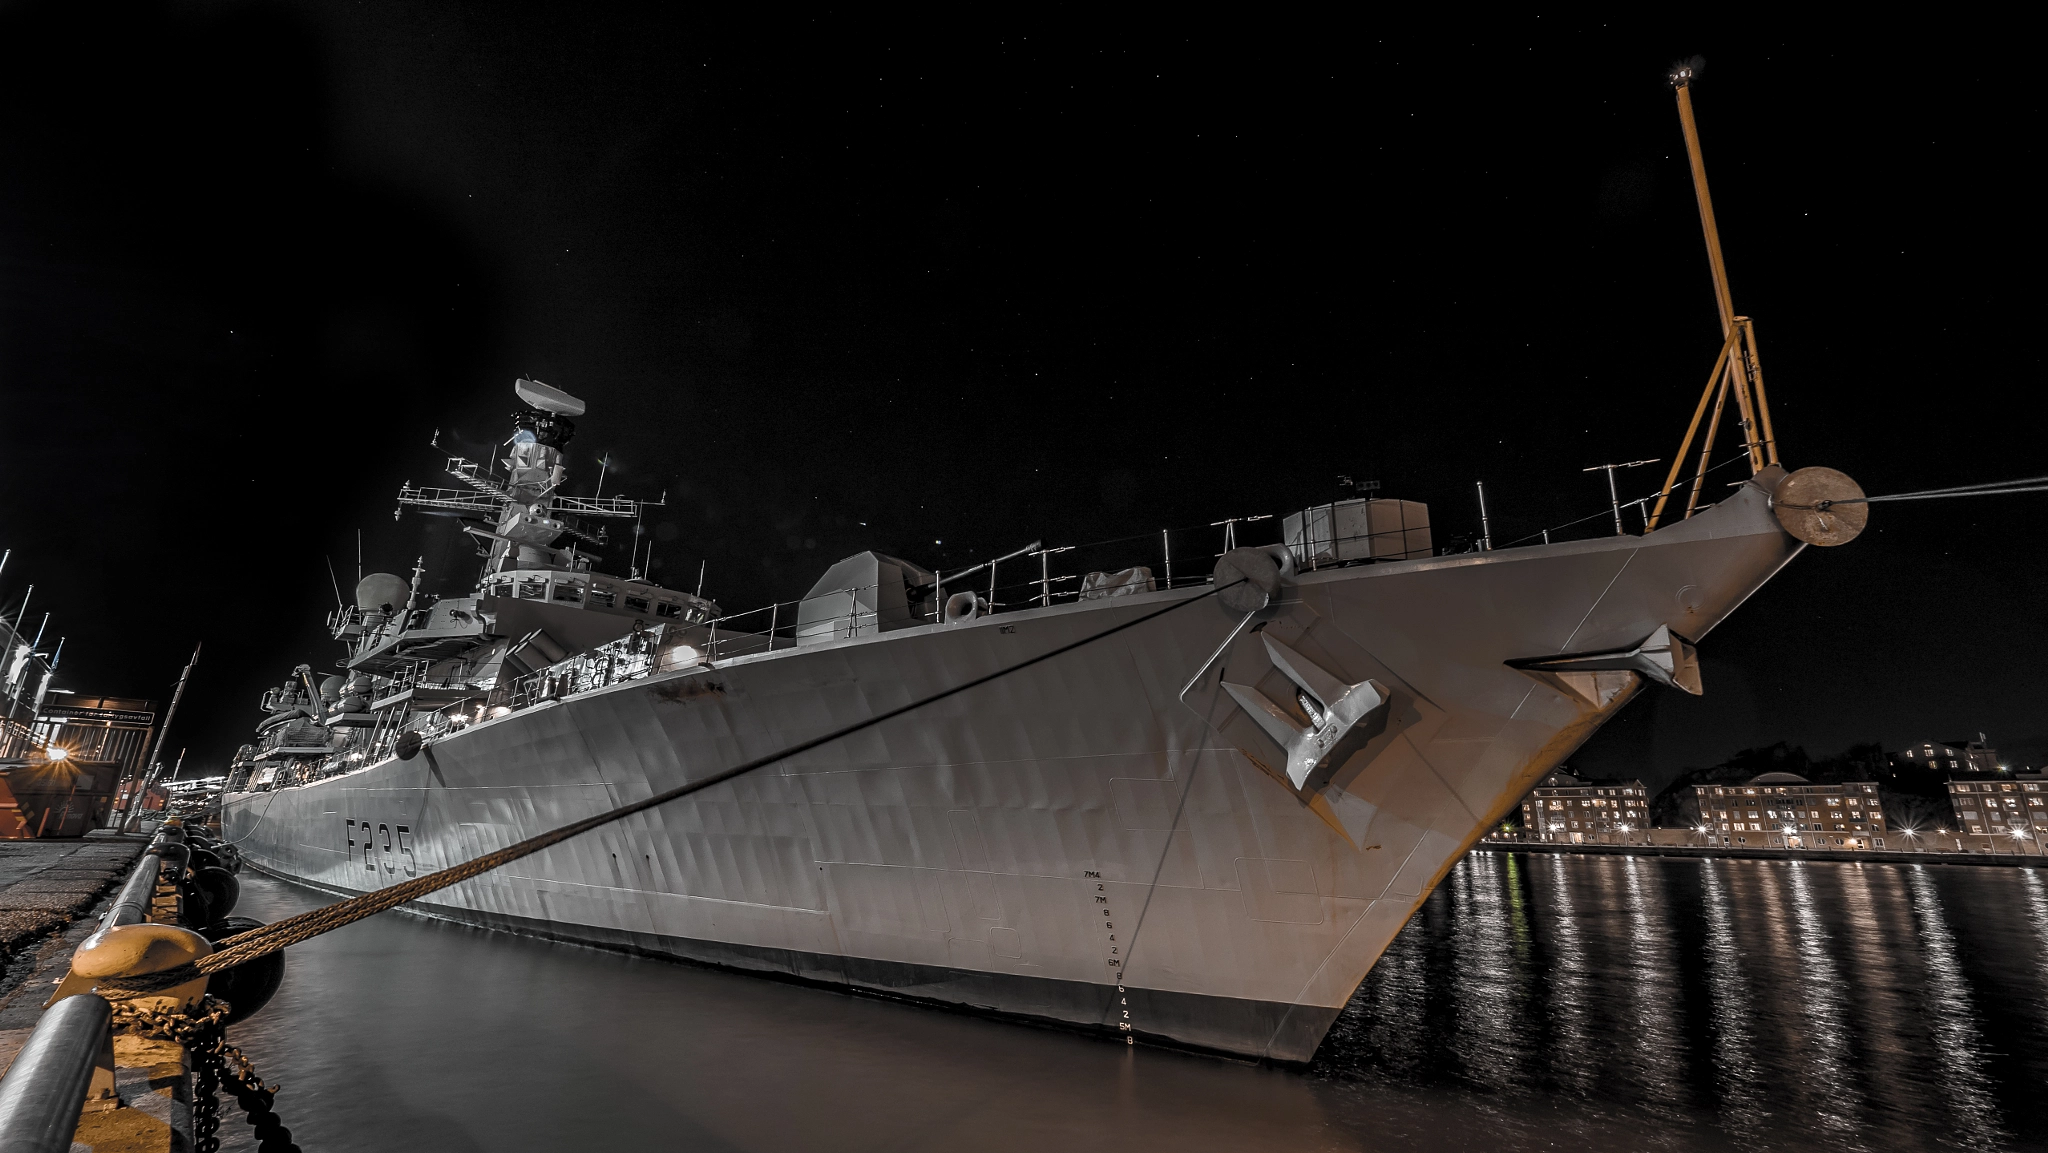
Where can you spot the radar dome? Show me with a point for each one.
(378, 589)
(547, 398)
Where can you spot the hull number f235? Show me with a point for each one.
(383, 848)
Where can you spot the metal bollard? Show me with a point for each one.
(44, 1090)
(67, 1066)
(133, 905)
(138, 950)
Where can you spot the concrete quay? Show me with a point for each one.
(50, 893)
(45, 885)
(1880, 856)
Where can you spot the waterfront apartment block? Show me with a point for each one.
(1567, 809)
(1784, 810)
(1950, 756)
(2004, 812)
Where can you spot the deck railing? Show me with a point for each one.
(768, 628)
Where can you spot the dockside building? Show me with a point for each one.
(1568, 810)
(1787, 811)
(1950, 756)
(72, 760)
(2000, 812)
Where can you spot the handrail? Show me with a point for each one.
(941, 581)
(131, 906)
(721, 640)
(44, 1090)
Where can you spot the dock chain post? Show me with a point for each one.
(184, 1014)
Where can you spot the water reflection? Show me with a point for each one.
(1716, 1004)
(1654, 992)
(1534, 1002)
(2037, 904)
(1570, 990)
(1951, 1013)
(1880, 1018)
(1835, 1102)
(1738, 1077)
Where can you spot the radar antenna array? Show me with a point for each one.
(493, 500)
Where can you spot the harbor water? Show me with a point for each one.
(1535, 1002)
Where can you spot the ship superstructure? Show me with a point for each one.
(1199, 820)
(537, 601)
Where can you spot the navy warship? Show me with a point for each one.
(1200, 827)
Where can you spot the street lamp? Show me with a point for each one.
(57, 752)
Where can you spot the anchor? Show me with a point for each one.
(1340, 715)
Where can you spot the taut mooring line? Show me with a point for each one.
(248, 946)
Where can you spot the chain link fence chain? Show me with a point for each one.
(216, 1064)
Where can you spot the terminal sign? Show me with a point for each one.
(79, 713)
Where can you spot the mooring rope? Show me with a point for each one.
(248, 946)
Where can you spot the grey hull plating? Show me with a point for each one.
(1110, 814)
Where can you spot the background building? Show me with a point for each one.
(1784, 810)
(72, 760)
(111, 730)
(1999, 812)
(1566, 809)
(60, 773)
(1950, 756)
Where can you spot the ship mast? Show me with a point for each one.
(1737, 370)
(525, 506)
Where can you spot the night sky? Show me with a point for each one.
(835, 287)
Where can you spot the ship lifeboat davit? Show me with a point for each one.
(1821, 506)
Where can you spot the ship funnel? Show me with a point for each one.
(547, 398)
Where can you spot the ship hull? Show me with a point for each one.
(1101, 839)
